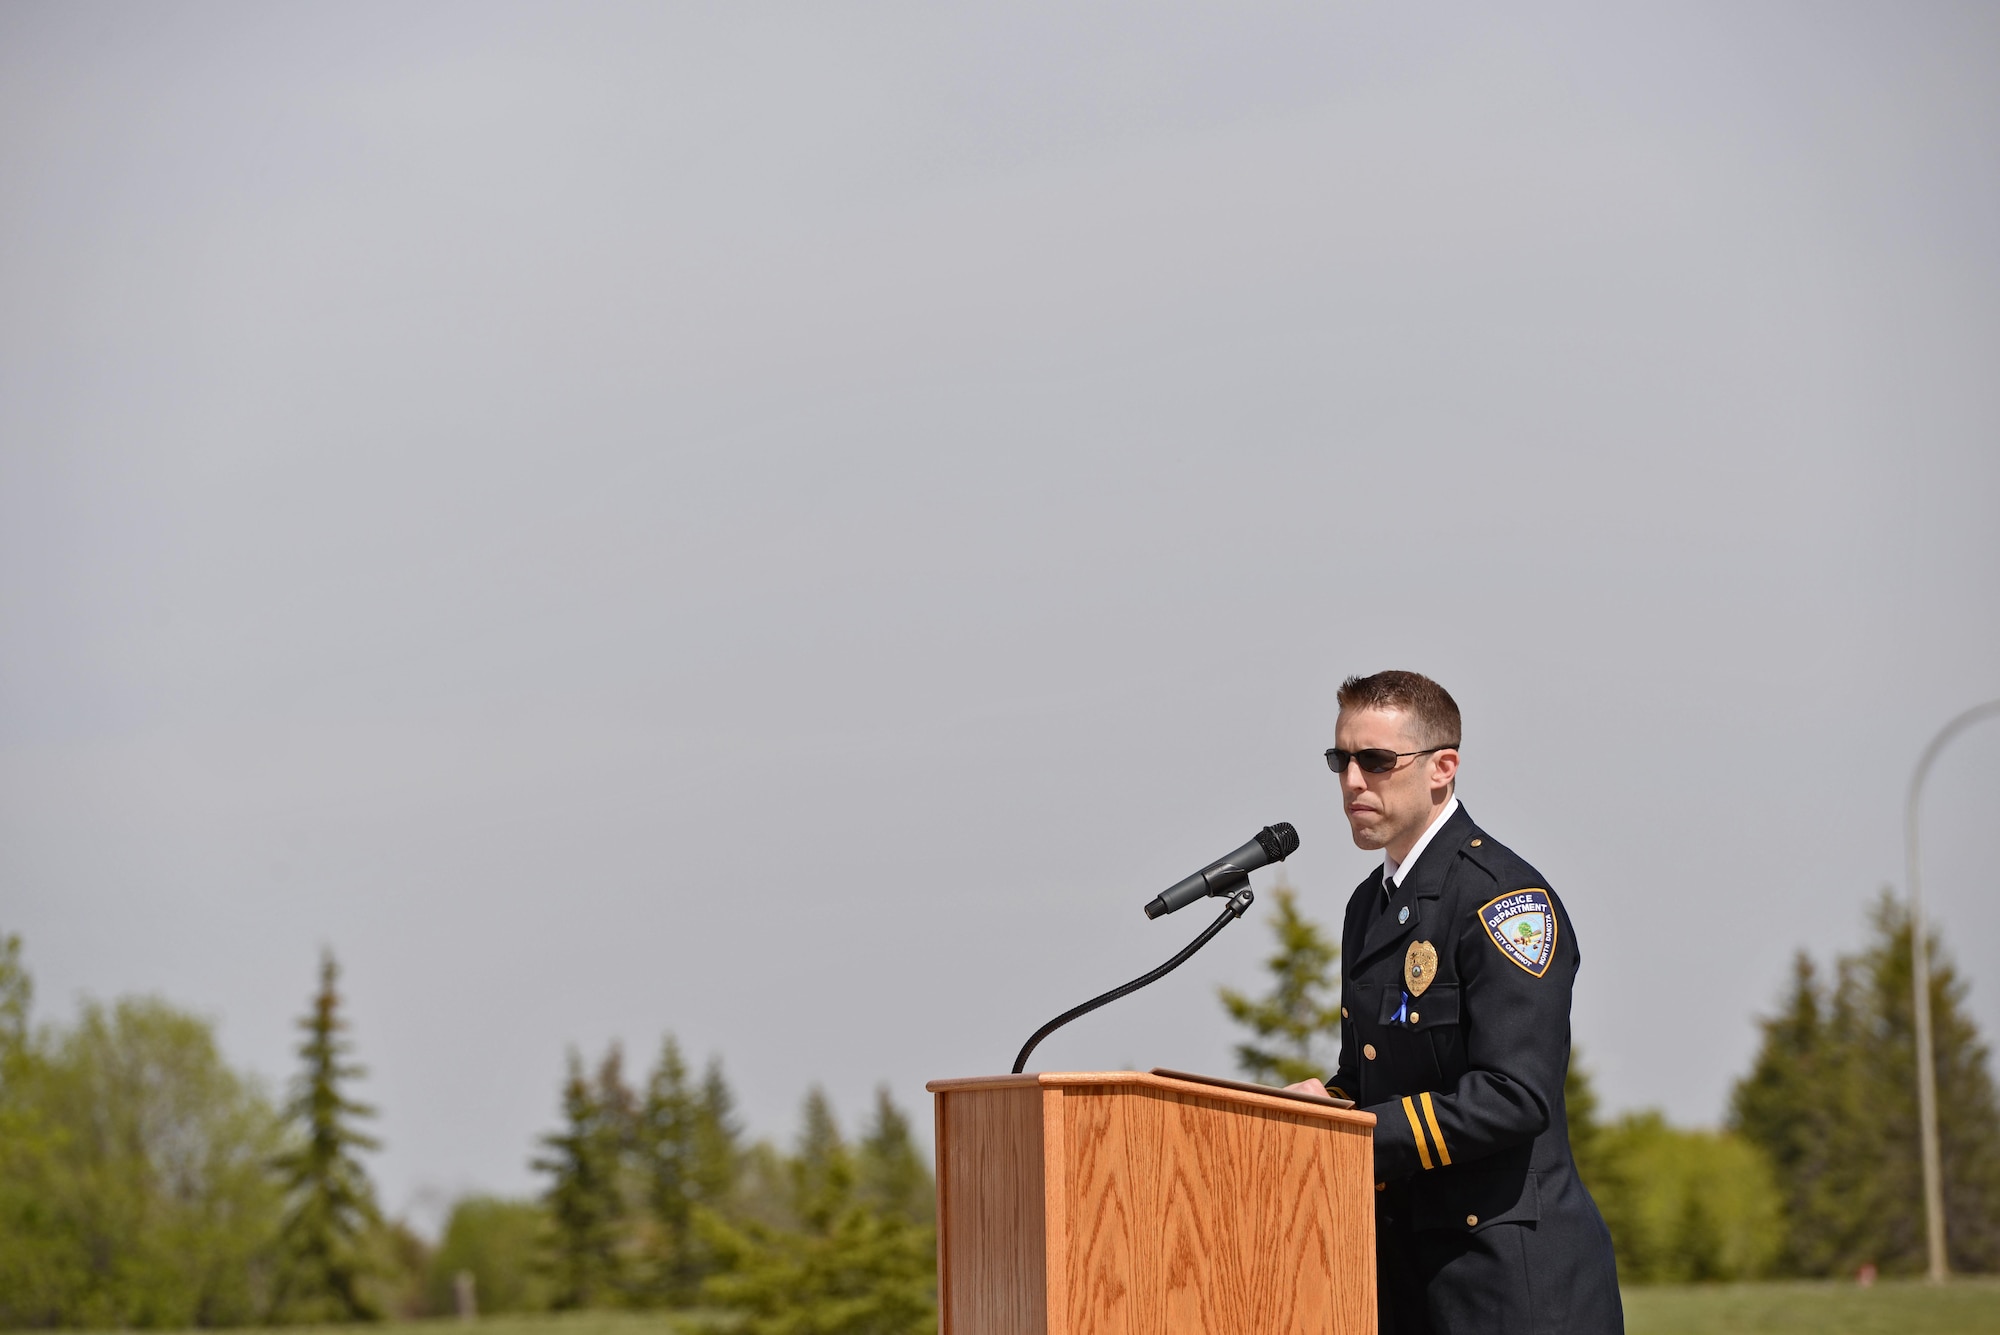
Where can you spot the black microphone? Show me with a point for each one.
(1274, 843)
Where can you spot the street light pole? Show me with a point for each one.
(1920, 972)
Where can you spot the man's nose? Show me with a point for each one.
(1352, 780)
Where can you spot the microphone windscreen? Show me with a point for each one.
(1278, 841)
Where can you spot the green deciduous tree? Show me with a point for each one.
(134, 1188)
(1687, 1205)
(500, 1244)
(331, 1213)
(165, 1156)
(39, 1263)
(1682, 1205)
(1831, 1100)
(1296, 1023)
(398, 1271)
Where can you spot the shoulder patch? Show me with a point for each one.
(1523, 924)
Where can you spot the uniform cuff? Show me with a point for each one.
(1407, 1138)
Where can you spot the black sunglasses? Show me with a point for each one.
(1375, 759)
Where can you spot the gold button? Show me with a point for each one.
(1472, 1221)
(1343, 1012)
(1381, 1186)
(1368, 1051)
(1477, 842)
(1415, 1018)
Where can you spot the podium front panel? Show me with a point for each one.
(1118, 1203)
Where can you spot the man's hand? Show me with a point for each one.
(1308, 1087)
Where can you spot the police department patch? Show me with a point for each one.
(1523, 924)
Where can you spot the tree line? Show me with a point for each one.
(143, 1183)
(655, 1201)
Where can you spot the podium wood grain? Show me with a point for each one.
(1120, 1203)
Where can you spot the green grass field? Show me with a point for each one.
(1893, 1307)
(1904, 1307)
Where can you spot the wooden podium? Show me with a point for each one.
(1120, 1203)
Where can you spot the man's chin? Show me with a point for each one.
(1366, 838)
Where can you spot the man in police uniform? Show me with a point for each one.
(1457, 962)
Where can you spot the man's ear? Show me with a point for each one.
(1444, 767)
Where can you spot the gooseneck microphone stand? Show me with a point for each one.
(1239, 904)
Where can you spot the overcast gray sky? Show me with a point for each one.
(788, 524)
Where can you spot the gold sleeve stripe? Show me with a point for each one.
(1417, 1130)
(1430, 1115)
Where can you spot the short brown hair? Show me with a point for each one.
(1432, 711)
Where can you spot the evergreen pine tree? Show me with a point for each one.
(666, 1147)
(850, 1270)
(618, 1130)
(1297, 1023)
(331, 1203)
(823, 1169)
(1804, 1104)
(891, 1175)
(1831, 1100)
(617, 1103)
(718, 1154)
(17, 991)
(688, 1151)
(1968, 1113)
(585, 1200)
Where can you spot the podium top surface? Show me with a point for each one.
(1137, 1080)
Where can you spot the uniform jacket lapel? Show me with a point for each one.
(1419, 893)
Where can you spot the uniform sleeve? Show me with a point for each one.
(1344, 1081)
(1515, 1026)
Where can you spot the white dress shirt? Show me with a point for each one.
(1393, 870)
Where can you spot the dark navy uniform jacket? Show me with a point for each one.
(1455, 996)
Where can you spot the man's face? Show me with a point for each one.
(1390, 810)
